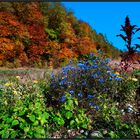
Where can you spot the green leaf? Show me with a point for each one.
(84, 126)
(9, 120)
(26, 129)
(77, 120)
(61, 121)
(35, 123)
(40, 130)
(76, 102)
(72, 123)
(69, 105)
(69, 115)
(46, 115)
(32, 118)
(15, 122)
(22, 125)
(36, 135)
(14, 134)
(22, 113)
(5, 135)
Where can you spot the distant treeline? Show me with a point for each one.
(46, 32)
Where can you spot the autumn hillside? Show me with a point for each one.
(36, 34)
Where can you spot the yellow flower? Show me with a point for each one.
(117, 73)
(15, 92)
(9, 84)
(35, 81)
(18, 77)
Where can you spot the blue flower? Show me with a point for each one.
(84, 83)
(52, 75)
(110, 78)
(64, 72)
(94, 61)
(129, 109)
(69, 83)
(96, 107)
(99, 73)
(90, 96)
(90, 104)
(113, 75)
(82, 66)
(101, 80)
(65, 69)
(70, 61)
(63, 81)
(94, 76)
(71, 92)
(73, 68)
(91, 54)
(80, 94)
(107, 60)
(105, 67)
(95, 66)
(118, 79)
(63, 98)
(100, 52)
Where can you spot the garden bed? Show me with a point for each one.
(84, 99)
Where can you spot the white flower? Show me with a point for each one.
(134, 79)
(18, 77)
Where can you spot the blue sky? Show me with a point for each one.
(107, 17)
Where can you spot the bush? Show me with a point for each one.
(91, 81)
(99, 90)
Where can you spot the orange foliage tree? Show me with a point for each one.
(11, 37)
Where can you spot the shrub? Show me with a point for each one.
(91, 81)
(98, 89)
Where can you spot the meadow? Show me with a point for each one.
(84, 99)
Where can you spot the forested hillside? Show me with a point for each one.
(39, 33)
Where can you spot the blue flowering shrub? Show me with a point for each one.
(105, 94)
(90, 81)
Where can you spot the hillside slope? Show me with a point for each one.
(36, 33)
